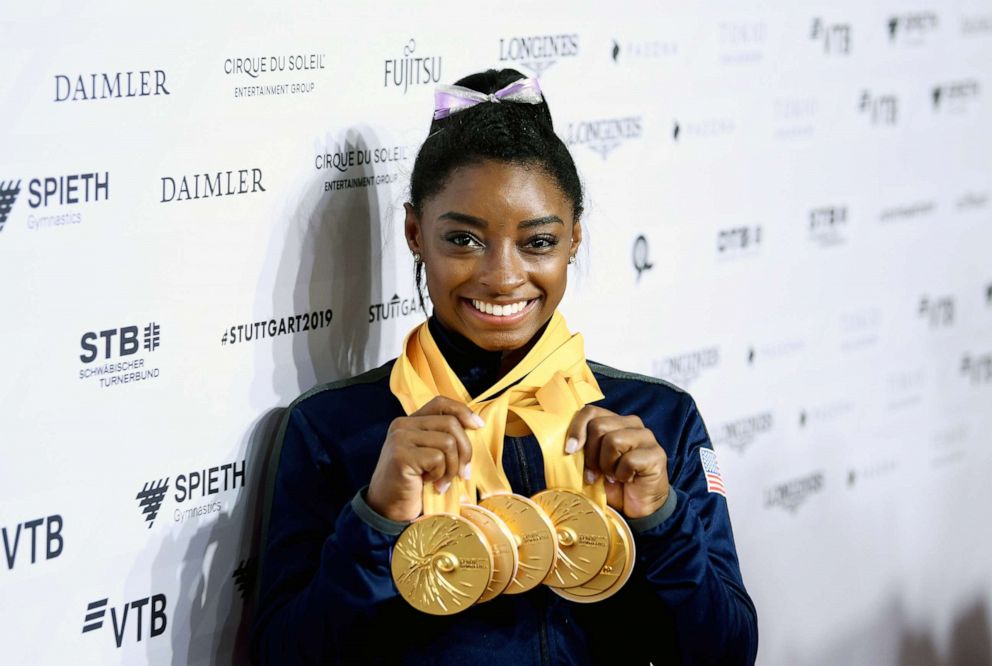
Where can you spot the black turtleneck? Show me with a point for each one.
(477, 368)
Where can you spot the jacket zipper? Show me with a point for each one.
(525, 477)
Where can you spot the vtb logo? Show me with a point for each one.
(8, 195)
(938, 311)
(127, 342)
(96, 614)
(14, 539)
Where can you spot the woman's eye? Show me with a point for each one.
(543, 242)
(464, 240)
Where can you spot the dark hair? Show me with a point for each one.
(511, 132)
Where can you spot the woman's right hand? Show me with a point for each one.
(427, 446)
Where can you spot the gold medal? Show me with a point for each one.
(534, 534)
(583, 536)
(441, 564)
(503, 547)
(616, 571)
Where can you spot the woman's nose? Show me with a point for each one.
(502, 268)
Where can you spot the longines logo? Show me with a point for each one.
(153, 607)
(119, 343)
(395, 307)
(954, 97)
(937, 311)
(977, 368)
(538, 52)
(109, 85)
(835, 37)
(912, 28)
(702, 129)
(827, 225)
(194, 485)
(742, 42)
(342, 160)
(685, 368)
(55, 192)
(654, 49)
(48, 544)
(603, 136)
(290, 65)
(214, 184)
(793, 494)
(411, 70)
(879, 109)
(907, 211)
(259, 330)
(738, 241)
(742, 433)
(795, 116)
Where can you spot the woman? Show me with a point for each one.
(494, 221)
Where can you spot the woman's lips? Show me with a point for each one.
(502, 319)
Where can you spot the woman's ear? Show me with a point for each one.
(411, 227)
(576, 237)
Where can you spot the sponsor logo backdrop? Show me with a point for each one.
(792, 204)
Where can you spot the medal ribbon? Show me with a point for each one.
(545, 390)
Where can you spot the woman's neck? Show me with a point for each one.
(477, 368)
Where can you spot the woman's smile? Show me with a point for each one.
(496, 242)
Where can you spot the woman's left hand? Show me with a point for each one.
(626, 453)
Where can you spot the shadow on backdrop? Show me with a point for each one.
(329, 257)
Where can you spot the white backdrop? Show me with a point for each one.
(811, 184)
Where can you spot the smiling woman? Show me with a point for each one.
(490, 495)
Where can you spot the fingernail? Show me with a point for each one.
(443, 488)
(467, 471)
(477, 420)
(610, 479)
(571, 445)
(590, 476)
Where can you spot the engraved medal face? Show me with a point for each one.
(534, 534)
(583, 536)
(616, 571)
(441, 564)
(503, 547)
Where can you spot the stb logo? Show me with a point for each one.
(128, 342)
(881, 109)
(96, 614)
(836, 37)
(150, 499)
(8, 195)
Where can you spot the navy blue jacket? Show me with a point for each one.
(327, 595)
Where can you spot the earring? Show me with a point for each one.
(571, 259)
(416, 258)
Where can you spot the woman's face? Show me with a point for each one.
(495, 243)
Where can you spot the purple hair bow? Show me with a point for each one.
(449, 100)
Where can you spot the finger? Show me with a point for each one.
(450, 424)
(640, 462)
(598, 428)
(614, 495)
(446, 443)
(441, 405)
(575, 437)
(613, 445)
(428, 463)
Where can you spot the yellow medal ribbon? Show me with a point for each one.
(545, 390)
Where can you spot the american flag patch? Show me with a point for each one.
(714, 481)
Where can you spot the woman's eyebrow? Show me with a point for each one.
(540, 221)
(462, 217)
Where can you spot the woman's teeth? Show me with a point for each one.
(499, 310)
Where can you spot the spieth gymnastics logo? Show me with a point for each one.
(8, 195)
